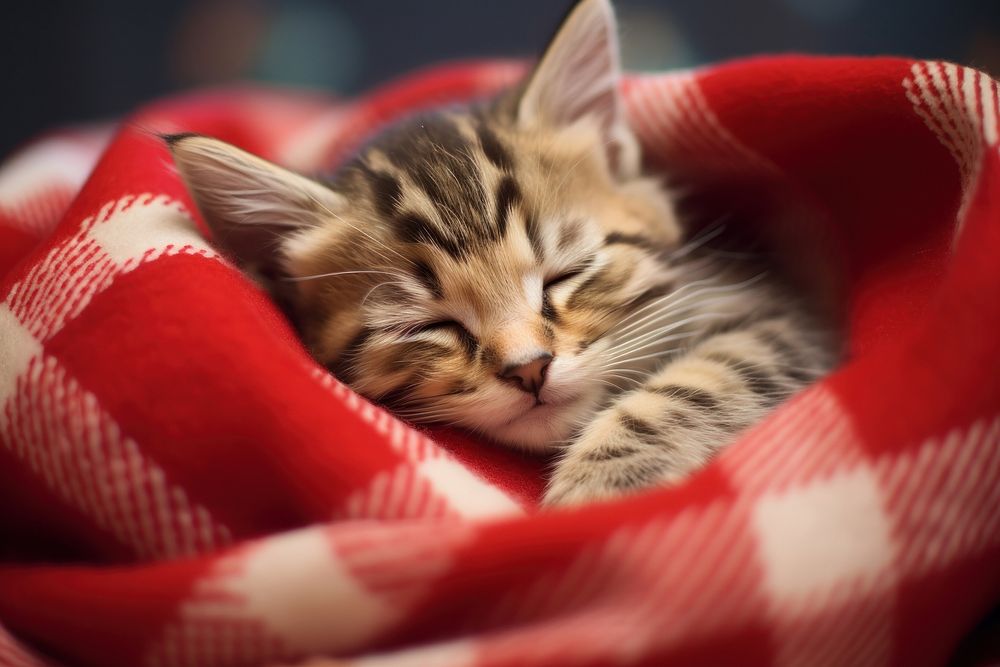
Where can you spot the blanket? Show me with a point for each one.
(180, 484)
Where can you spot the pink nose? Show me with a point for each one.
(528, 377)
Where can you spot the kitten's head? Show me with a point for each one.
(470, 266)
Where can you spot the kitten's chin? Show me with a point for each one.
(544, 428)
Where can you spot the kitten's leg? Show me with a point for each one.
(688, 410)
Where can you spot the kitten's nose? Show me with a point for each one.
(528, 377)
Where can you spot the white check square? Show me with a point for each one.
(831, 531)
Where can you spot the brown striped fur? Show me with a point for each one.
(507, 268)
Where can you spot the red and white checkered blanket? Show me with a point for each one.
(181, 485)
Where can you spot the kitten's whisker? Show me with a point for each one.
(654, 320)
(628, 370)
(704, 236)
(670, 321)
(681, 291)
(611, 385)
(624, 358)
(627, 320)
(624, 379)
(372, 290)
(379, 247)
(628, 326)
(733, 254)
(316, 276)
(654, 355)
(670, 312)
(657, 337)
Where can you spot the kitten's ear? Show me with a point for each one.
(578, 78)
(249, 203)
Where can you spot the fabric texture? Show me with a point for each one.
(181, 485)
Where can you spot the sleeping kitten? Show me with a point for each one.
(508, 268)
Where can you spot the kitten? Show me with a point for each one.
(508, 268)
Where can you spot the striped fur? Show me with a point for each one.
(507, 268)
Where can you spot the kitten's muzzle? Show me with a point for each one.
(528, 377)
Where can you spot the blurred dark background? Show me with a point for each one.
(66, 62)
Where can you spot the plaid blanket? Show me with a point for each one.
(181, 485)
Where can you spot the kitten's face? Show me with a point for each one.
(469, 267)
(494, 285)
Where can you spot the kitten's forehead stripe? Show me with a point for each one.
(434, 155)
(508, 196)
(415, 228)
(494, 151)
(386, 191)
(444, 169)
(425, 274)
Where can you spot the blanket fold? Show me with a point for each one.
(182, 485)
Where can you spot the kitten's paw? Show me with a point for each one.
(570, 486)
(611, 459)
(580, 482)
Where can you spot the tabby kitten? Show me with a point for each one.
(508, 268)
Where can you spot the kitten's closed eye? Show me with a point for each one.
(441, 325)
(563, 277)
(469, 342)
